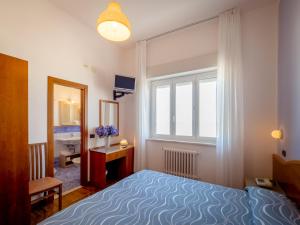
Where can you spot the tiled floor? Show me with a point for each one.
(70, 176)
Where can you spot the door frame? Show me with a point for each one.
(83, 126)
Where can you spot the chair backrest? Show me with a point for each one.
(38, 154)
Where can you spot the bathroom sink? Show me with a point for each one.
(69, 140)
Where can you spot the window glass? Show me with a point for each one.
(207, 108)
(163, 110)
(184, 109)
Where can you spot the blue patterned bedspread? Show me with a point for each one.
(153, 198)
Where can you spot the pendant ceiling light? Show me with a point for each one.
(113, 24)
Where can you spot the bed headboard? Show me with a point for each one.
(287, 174)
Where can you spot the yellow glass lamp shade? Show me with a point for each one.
(276, 134)
(124, 143)
(113, 24)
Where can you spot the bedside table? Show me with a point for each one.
(251, 182)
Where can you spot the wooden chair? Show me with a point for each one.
(39, 182)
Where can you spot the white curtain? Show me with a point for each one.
(142, 100)
(230, 157)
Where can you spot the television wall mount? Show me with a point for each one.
(119, 94)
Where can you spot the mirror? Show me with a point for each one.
(69, 113)
(109, 113)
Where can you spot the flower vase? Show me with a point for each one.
(107, 142)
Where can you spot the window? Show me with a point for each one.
(162, 110)
(184, 108)
(207, 108)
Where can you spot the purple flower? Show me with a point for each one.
(105, 131)
(113, 131)
(101, 131)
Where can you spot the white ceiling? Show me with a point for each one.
(152, 17)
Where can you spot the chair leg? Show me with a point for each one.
(60, 197)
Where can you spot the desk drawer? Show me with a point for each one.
(116, 155)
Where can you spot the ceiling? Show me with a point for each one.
(152, 17)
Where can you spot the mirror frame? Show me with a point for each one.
(100, 111)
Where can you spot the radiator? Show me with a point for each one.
(181, 162)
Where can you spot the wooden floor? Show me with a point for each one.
(43, 210)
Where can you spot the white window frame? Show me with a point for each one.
(195, 78)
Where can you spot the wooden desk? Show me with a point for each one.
(116, 160)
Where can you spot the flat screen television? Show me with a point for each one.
(124, 84)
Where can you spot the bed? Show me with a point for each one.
(154, 198)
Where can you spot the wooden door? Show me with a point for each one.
(83, 126)
(14, 172)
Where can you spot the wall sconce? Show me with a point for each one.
(276, 134)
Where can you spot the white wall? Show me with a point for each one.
(289, 78)
(189, 49)
(56, 44)
(259, 45)
(128, 101)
